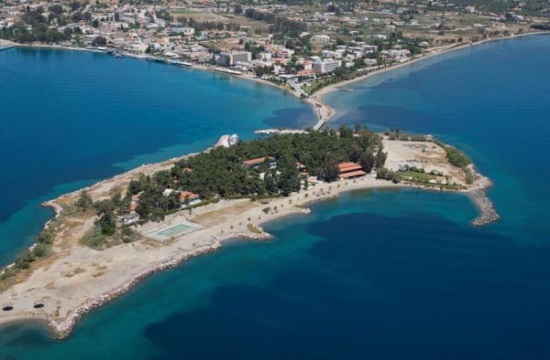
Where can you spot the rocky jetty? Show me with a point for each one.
(487, 212)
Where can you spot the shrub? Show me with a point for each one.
(457, 157)
(40, 250)
(23, 261)
(95, 238)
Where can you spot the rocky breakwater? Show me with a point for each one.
(487, 212)
(62, 327)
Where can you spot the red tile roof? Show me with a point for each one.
(349, 166)
(256, 161)
(352, 174)
(187, 196)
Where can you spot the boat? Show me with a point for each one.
(176, 62)
(180, 63)
(228, 71)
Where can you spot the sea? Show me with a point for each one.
(378, 274)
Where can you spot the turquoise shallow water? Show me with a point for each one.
(371, 275)
(69, 118)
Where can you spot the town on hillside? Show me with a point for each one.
(303, 45)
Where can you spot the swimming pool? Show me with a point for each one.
(174, 230)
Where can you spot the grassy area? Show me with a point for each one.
(253, 25)
(95, 239)
(417, 176)
(244, 22)
(316, 84)
(253, 228)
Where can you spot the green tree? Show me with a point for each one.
(380, 158)
(84, 201)
(40, 250)
(24, 259)
(99, 41)
(107, 223)
(345, 132)
(330, 171)
(367, 161)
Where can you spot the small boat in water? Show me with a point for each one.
(181, 63)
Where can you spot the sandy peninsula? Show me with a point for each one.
(75, 279)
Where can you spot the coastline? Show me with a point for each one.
(319, 95)
(72, 285)
(322, 111)
(63, 326)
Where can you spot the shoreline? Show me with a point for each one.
(319, 95)
(297, 203)
(62, 327)
(322, 111)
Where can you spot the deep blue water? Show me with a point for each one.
(69, 118)
(371, 275)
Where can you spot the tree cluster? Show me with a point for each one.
(208, 25)
(99, 41)
(387, 174)
(220, 173)
(457, 157)
(279, 24)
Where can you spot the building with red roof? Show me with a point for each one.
(253, 163)
(188, 198)
(350, 170)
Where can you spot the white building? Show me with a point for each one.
(230, 58)
(326, 66)
(320, 38)
(370, 62)
(187, 31)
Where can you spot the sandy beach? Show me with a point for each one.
(78, 279)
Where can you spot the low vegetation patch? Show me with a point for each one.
(456, 157)
(41, 249)
(469, 176)
(98, 239)
(253, 228)
(416, 176)
(95, 238)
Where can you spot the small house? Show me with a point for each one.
(188, 198)
(255, 163)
